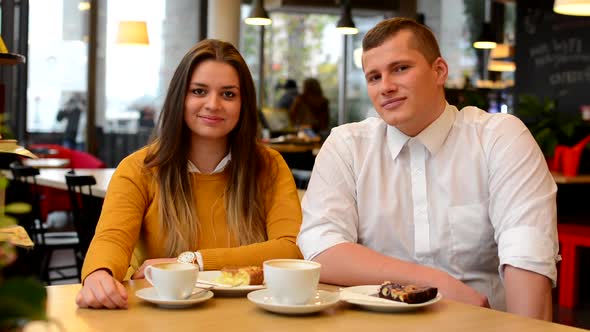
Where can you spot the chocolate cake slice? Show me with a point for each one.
(408, 294)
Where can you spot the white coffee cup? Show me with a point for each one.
(172, 281)
(291, 281)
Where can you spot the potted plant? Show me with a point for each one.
(548, 126)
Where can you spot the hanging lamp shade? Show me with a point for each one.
(84, 5)
(502, 58)
(133, 33)
(7, 58)
(486, 40)
(258, 15)
(502, 51)
(501, 65)
(572, 7)
(345, 24)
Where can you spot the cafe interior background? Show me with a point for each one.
(117, 57)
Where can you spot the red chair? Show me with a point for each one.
(79, 159)
(571, 237)
(567, 159)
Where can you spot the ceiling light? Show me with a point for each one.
(84, 5)
(572, 7)
(486, 40)
(133, 33)
(258, 15)
(345, 24)
(502, 51)
(500, 65)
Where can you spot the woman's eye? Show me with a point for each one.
(199, 92)
(228, 94)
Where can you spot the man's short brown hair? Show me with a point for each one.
(424, 40)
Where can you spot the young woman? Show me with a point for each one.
(204, 188)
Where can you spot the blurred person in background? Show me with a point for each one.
(289, 95)
(311, 109)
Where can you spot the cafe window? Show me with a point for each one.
(57, 60)
(126, 102)
(298, 46)
(130, 59)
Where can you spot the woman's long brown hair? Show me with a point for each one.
(251, 170)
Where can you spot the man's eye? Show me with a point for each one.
(373, 78)
(199, 91)
(401, 68)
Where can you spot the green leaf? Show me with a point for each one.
(18, 208)
(21, 299)
(547, 141)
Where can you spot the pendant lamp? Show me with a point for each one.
(258, 15)
(133, 33)
(572, 7)
(487, 38)
(345, 24)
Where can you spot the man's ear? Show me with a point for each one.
(441, 69)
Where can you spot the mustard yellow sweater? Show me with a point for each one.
(130, 213)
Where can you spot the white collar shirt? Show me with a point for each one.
(469, 194)
(192, 168)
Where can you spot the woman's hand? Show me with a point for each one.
(101, 290)
(139, 273)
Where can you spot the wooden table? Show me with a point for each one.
(55, 178)
(239, 314)
(314, 148)
(47, 162)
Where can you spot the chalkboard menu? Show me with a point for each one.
(552, 55)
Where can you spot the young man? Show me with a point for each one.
(428, 195)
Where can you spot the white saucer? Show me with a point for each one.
(149, 294)
(210, 276)
(362, 296)
(322, 300)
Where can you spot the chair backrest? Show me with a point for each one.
(80, 159)
(24, 188)
(85, 207)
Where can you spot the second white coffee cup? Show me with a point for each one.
(172, 281)
(291, 281)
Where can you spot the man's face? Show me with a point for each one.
(405, 89)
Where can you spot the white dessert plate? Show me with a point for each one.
(208, 277)
(363, 297)
(321, 301)
(149, 294)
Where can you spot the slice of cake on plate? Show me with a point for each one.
(241, 276)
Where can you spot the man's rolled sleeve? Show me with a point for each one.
(329, 207)
(529, 248)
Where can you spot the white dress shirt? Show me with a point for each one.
(470, 193)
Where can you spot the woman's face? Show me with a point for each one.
(213, 101)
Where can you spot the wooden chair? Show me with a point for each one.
(85, 208)
(46, 240)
